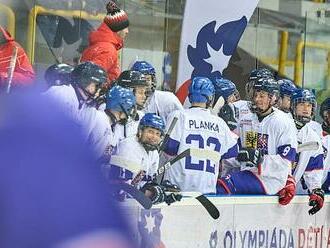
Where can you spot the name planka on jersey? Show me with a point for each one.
(201, 124)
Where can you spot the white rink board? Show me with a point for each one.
(247, 222)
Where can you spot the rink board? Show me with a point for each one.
(244, 222)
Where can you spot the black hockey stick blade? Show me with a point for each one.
(209, 206)
(138, 195)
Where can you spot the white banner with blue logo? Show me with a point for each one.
(245, 222)
(211, 30)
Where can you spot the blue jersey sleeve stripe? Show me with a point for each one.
(172, 147)
(287, 152)
(315, 163)
(231, 153)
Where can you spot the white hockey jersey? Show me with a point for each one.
(147, 161)
(275, 136)
(99, 133)
(162, 103)
(66, 98)
(198, 128)
(130, 129)
(308, 164)
(316, 127)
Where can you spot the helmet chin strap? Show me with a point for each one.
(301, 121)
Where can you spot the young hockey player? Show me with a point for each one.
(308, 166)
(287, 87)
(198, 128)
(143, 151)
(58, 74)
(86, 79)
(267, 150)
(162, 103)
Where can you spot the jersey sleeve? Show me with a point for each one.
(231, 148)
(312, 161)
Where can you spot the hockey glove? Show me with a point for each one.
(155, 192)
(288, 192)
(171, 192)
(228, 115)
(316, 199)
(252, 157)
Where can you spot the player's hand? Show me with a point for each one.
(288, 192)
(155, 192)
(316, 199)
(252, 157)
(171, 192)
(228, 115)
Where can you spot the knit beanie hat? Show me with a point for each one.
(116, 18)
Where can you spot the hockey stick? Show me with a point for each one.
(11, 68)
(206, 203)
(201, 153)
(308, 146)
(138, 195)
(218, 105)
(167, 135)
(132, 166)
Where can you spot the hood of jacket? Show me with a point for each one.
(105, 34)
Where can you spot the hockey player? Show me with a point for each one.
(198, 128)
(308, 167)
(160, 102)
(287, 87)
(86, 79)
(58, 74)
(227, 90)
(255, 76)
(267, 149)
(225, 93)
(325, 114)
(230, 112)
(135, 81)
(100, 126)
(144, 154)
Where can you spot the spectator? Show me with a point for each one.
(52, 192)
(23, 72)
(105, 42)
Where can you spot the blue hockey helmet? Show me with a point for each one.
(121, 100)
(255, 76)
(287, 87)
(225, 88)
(201, 90)
(58, 74)
(325, 106)
(269, 85)
(87, 73)
(152, 120)
(302, 95)
(148, 70)
(144, 67)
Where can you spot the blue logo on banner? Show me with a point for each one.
(210, 45)
(149, 228)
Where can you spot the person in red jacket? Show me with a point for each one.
(23, 73)
(105, 42)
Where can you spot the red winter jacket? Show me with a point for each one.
(103, 50)
(23, 73)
